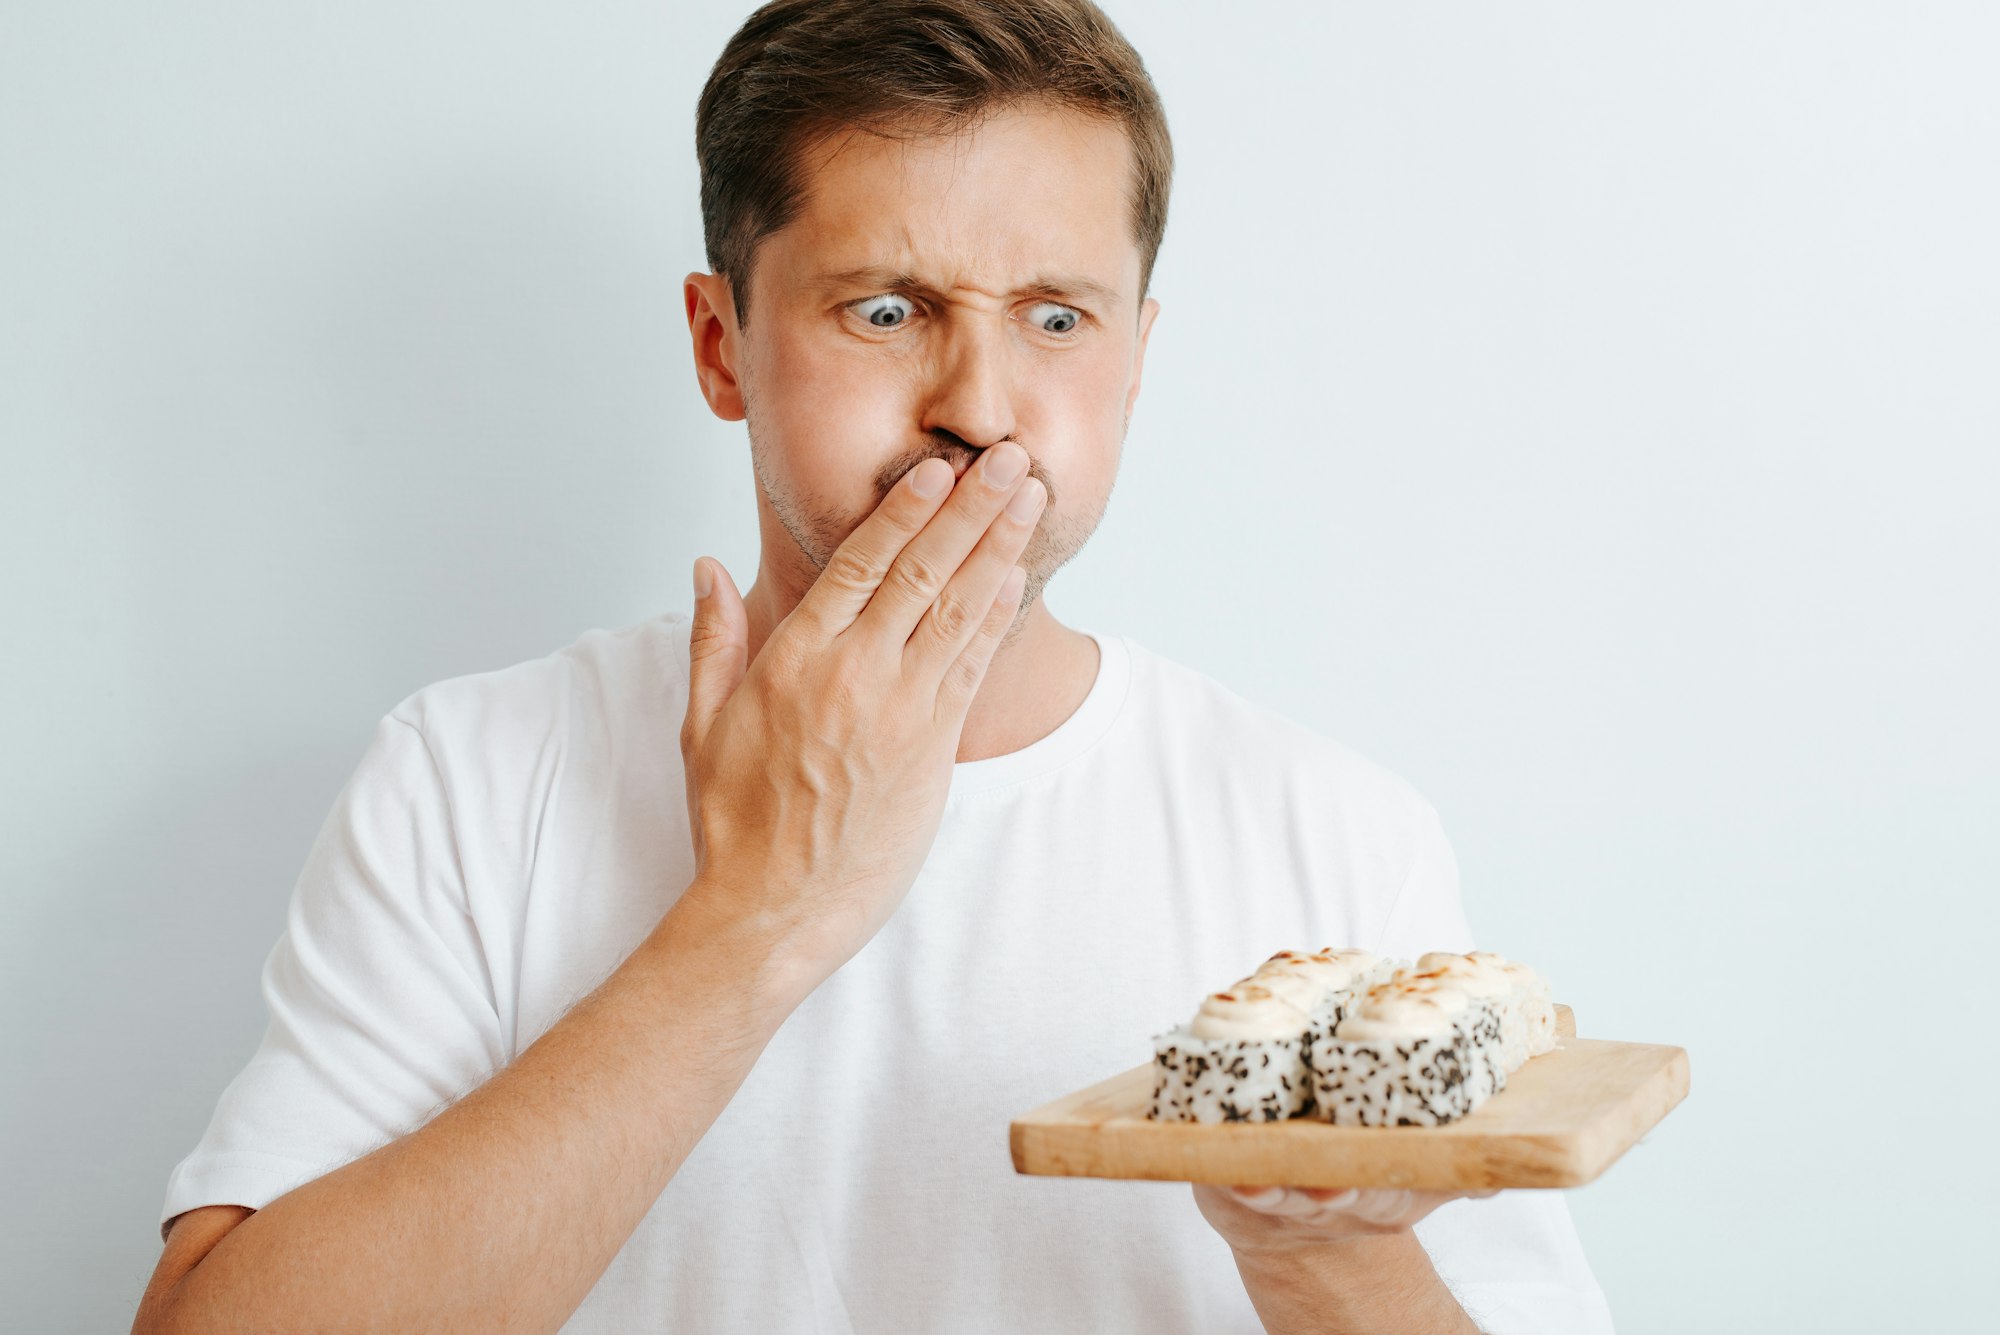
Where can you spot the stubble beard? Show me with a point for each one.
(817, 530)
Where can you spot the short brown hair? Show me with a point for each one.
(800, 69)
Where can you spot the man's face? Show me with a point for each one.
(937, 295)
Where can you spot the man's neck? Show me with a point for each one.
(1035, 680)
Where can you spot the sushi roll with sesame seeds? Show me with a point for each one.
(1481, 976)
(1240, 1059)
(1479, 1018)
(1538, 1005)
(1404, 1056)
(1324, 984)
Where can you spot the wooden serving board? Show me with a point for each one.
(1563, 1118)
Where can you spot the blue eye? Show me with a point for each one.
(884, 312)
(1051, 318)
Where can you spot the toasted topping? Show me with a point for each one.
(1521, 975)
(1297, 986)
(1248, 1010)
(1403, 1009)
(1313, 976)
(1464, 973)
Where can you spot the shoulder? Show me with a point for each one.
(607, 680)
(1241, 741)
(504, 767)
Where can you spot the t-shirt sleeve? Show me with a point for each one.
(380, 1007)
(1513, 1260)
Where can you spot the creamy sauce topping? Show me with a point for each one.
(1247, 1011)
(1465, 973)
(1300, 988)
(1294, 975)
(1522, 976)
(1404, 1010)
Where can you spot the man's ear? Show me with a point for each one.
(1148, 311)
(718, 343)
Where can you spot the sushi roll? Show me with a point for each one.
(1240, 1059)
(1481, 977)
(1324, 984)
(1480, 1019)
(1538, 1006)
(1404, 1056)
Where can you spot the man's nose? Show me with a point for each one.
(971, 391)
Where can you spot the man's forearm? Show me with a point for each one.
(1353, 1286)
(500, 1213)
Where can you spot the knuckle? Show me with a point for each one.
(849, 570)
(703, 635)
(917, 576)
(961, 678)
(951, 618)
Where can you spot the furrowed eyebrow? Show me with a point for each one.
(879, 279)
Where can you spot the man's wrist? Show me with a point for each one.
(745, 951)
(1364, 1283)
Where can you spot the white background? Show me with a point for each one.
(1588, 411)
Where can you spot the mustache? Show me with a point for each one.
(954, 449)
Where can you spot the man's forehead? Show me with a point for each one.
(1034, 200)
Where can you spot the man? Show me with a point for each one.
(565, 1028)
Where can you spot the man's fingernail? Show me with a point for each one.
(704, 582)
(1008, 462)
(927, 481)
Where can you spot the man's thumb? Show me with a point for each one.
(718, 648)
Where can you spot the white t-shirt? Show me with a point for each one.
(510, 837)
